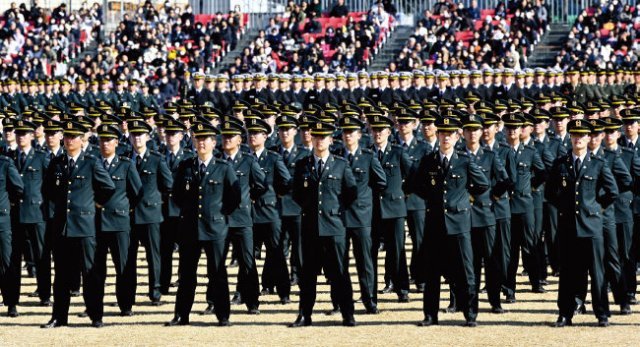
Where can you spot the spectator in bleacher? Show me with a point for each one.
(473, 10)
(339, 9)
(312, 26)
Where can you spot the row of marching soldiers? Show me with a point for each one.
(307, 183)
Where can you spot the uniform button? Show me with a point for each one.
(68, 201)
(69, 192)
(199, 206)
(20, 200)
(577, 212)
(170, 195)
(68, 210)
(577, 203)
(320, 183)
(445, 192)
(445, 201)
(21, 175)
(200, 196)
(319, 212)
(319, 202)
(445, 210)
(445, 182)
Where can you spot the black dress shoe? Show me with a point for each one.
(539, 290)
(301, 322)
(497, 310)
(75, 293)
(209, 310)
(126, 313)
(387, 289)
(603, 322)
(625, 310)
(13, 312)
(234, 263)
(483, 290)
(54, 323)
(510, 299)
(562, 322)
(156, 302)
(267, 291)
(294, 282)
(285, 300)
(544, 282)
(633, 300)
(403, 297)
(428, 321)
(34, 294)
(237, 299)
(524, 273)
(97, 324)
(46, 303)
(420, 287)
(224, 323)
(471, 324)
(333, 311)
(177, 320)
(84, 314)
(349, 322)
(253, 311)
(175, 284)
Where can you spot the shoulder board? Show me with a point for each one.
(628, 150)
(5, 158)
(123, 158)
(337, 157)
(156, 153)
(598, 159)
(88, 155)
(40, 151)
(393, 145)
(462, 154)
(606, 150)
(503, 145)
(367, 150)
(219, 161)
(274, 153)
(529, 147)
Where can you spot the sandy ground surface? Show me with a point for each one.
(526, 323)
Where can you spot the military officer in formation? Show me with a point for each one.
(252, 132)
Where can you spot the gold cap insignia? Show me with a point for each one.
(200, 127)
(578, 123)
(446, 121)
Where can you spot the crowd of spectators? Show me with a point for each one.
(305, 38)
(158, 45)
(35, 40)
(603, 36)
(453, 36)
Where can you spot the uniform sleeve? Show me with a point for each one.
(607, 188)
(178, 189)
(134, 185)
(349, 186)
(377, 177)
(103, 186)
(257, 184)
(635, 174)
(417, 180)
(232, 194)
(165, 179)
(621, 174)
(510, 167)
(502, 180)
(297, 192)
(15, 187)
(282, 178)
(539, 170)
(407, 168)
(477, 182)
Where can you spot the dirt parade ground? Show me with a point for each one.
(526, 323)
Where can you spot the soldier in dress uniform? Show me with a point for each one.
(208, 191)
(288, 208)
(147, 213)
(446, 179)
(174, 154)
(28, 219)
(324, 186)
(113, 218)
(76, 183)
(581, 186)
(252, 184)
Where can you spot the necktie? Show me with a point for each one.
(350, 158)
(106, 164)
(405, 146)
(445, 164)
(138, 162)
(203, 169)
(630, 144)
(576, 168)
(285, 156)
(23, 159)
(320, 167)
(380, 156)
(72, 165)
(172, 158)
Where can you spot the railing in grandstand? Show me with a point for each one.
(409, 11)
